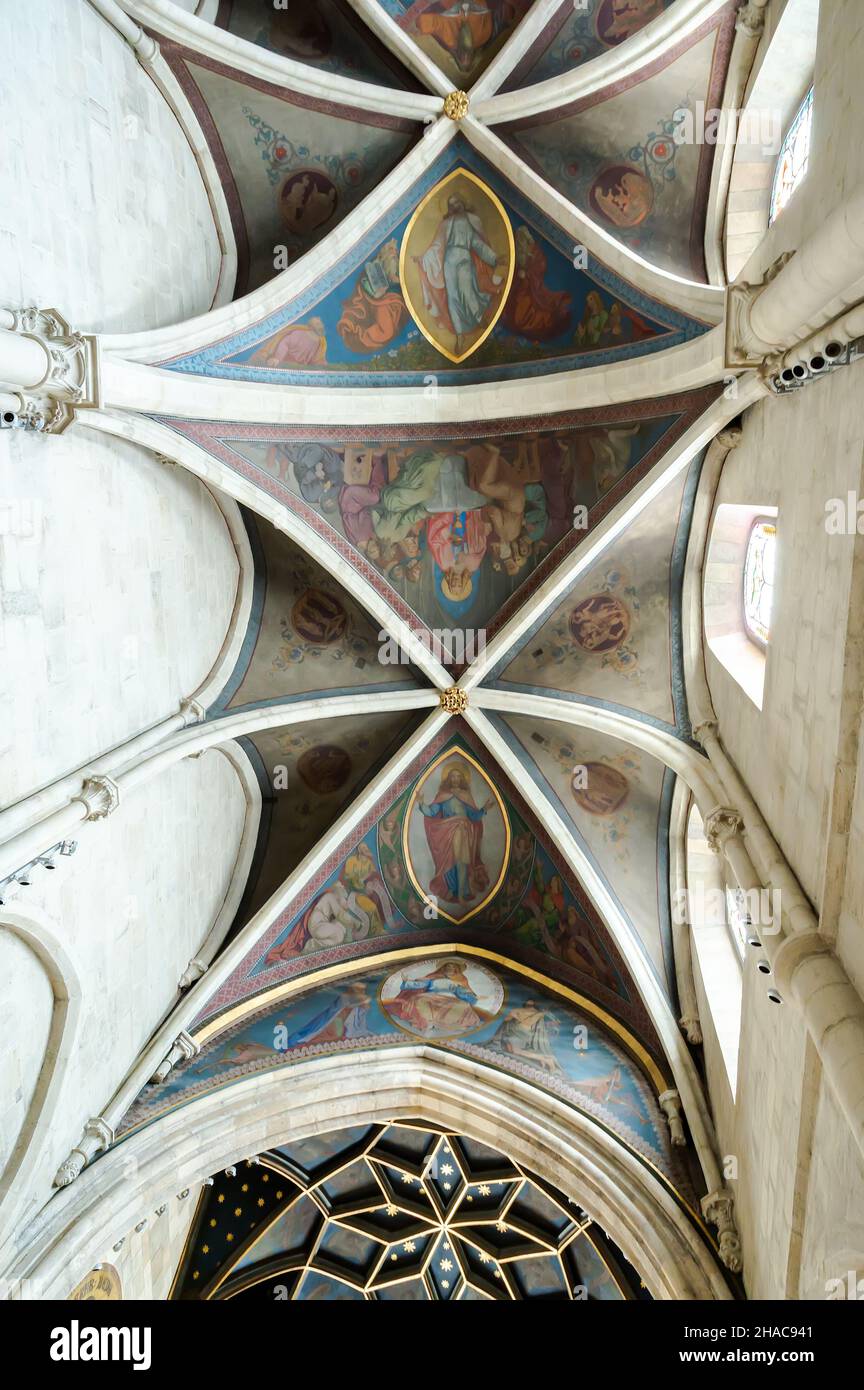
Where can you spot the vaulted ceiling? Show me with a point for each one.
(491, 460)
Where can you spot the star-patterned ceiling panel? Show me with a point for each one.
(353, 327)
(463, 1004)
(636, 158)
(577, 33)
(455, 526)
(309, 774)
(292, 166)
(307, 635)
(326, 34)
(448, 850)
(403, 1212)
(616, 799)
(615, 641)
(460, 36)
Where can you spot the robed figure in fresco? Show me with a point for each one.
(441, 1003)
(454, 832)
(458, 272)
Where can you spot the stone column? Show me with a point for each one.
(49, 370)
(802, 292)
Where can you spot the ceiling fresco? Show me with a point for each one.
(307, 634)
(292, 166)
(625, 158)
(460, 36)
(309, 773)
(457, 1003)
(616, 799)
(454, 526)
(353, 327)
(326, 34)
(449, 850)
(403, 1213)
(577, 33)
(615, 641)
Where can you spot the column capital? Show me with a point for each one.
(719, 1209)
(721, 825)
(70, 379)
(670, 1103)
(100, 795)
(98, 1136)
(744, 347)
(750, 19)
(183, 1049)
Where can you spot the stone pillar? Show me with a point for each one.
(49, 370)
(801, 292)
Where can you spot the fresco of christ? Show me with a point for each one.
(454, 832)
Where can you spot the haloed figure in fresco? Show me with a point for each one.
(459, 273)
(454, 831)
(464, 28)
(440, 1003)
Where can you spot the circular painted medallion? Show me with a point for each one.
(605, 790)
(442, 998)
(324, 769)
(318, 617)
(600, 623)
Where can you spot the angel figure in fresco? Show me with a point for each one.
(440, 1003)
(458, 271)
(454, 833)
(343, 1017)
(533, 310)
(528, 1033)
(376, 313)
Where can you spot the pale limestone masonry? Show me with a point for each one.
(126, 239)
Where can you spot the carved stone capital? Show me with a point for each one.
(720, 826)
(707, 728)
(100, 795)
(719, 1209)
(744, 348)
(454, 700)
(670, 1104)
(72, 378)
(194, 970)
(192, 711)
(730, 437)
(98, 1135)
(183, 1049)
(692, 1029)
(750, 19)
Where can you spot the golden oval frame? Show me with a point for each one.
(461, 172)
(452, 752)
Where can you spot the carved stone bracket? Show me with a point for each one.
(98, 1135)
(71, 381)
(750, 19)
(670, 1104)
(183, 1049)
(194, 970)
(100, 795)
(720, 826)
(192, 711)
(719, 1209)
(692, 1029)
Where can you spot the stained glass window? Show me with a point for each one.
(794, 158)
(759, 581)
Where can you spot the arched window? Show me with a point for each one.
(794, 158)
(759, 581)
